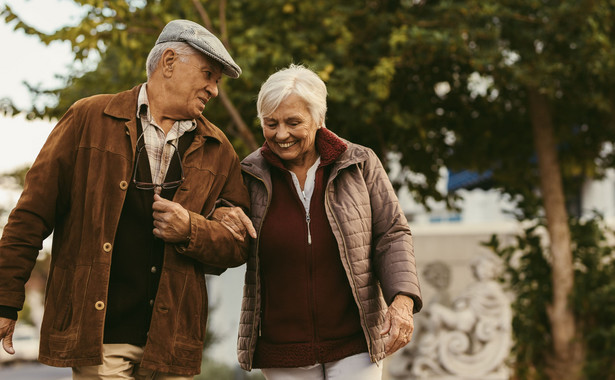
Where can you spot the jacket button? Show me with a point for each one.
(107, 247)
(99, 305)
(154, 270)
(123, 185)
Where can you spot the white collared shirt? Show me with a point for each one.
(308, 188)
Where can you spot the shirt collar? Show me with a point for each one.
(144, 112)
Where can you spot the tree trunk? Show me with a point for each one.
(567, 360)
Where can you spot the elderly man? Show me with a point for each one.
(126, 183)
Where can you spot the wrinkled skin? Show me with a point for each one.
(398, 324)
(7, 327)
(236, 221)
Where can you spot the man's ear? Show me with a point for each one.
(167, 61)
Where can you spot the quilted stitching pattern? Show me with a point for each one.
(373, 237)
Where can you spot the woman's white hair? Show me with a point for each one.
(298, 80)
(181, 48)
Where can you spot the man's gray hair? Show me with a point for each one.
(298, 80)
(155, 54)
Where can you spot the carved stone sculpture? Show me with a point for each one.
(470, 339)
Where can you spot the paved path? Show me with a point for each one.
(33, 371)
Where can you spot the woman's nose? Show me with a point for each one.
(281, 132)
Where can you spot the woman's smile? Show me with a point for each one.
(287, 145)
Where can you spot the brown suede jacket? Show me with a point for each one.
(76, 188)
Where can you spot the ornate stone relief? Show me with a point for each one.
(468, 338)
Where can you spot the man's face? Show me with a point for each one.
(193, 83)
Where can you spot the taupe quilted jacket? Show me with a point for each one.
(371, 230)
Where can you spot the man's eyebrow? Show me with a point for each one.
(213, 66)
(210, 67)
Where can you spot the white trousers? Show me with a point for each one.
(122, 361)
(356, 367)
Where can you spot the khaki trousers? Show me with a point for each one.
(121, 361)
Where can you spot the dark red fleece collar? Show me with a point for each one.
(328, 146)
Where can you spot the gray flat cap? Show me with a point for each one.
(202, 40)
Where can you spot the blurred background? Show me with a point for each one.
(495, 120)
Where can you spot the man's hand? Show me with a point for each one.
(399, 323)
(171, 220)
(7, 327)
(236, 221)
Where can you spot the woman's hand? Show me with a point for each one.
(236, 221)
(399, 323)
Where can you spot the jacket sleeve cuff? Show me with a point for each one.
(8, 312)
(212, 244)
(418, 301)
(188, 245)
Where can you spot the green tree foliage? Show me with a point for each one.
(564, 49)
(12, 180)
(382, 61)
(527, 273)
(356, 47)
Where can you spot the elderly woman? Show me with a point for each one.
(331, 283)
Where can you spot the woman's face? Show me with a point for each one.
(290, 132)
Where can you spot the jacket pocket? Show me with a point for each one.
(186, 349)
(65, 300)
(61, 346)
(193, 308)
(59, 292)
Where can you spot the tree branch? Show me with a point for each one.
(242, 128)
(223, 31)
(204, 16)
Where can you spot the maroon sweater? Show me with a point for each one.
(308, 312)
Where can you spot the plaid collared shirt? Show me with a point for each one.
(159, 151)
